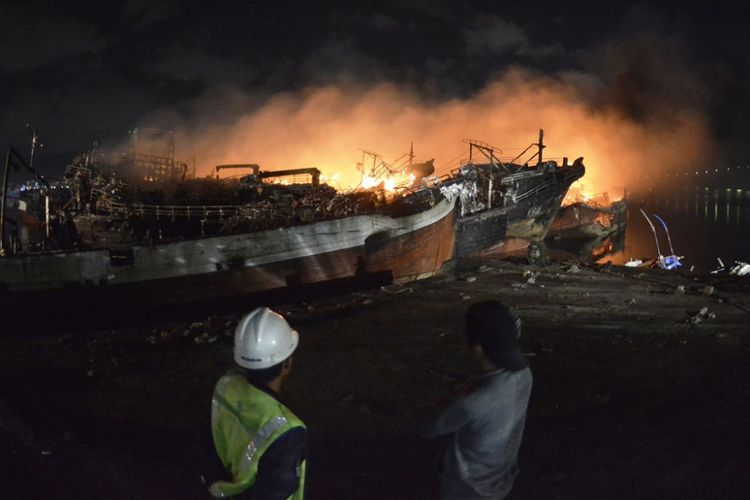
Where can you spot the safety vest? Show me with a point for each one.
(245, 421)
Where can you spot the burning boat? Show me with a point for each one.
(144, 227)
(589, 218)
(149, 230)
(505, 205)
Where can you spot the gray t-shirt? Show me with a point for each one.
(485, 419)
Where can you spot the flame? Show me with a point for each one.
(583, 192)
(331, 180)
(369, 182)
(390, 183)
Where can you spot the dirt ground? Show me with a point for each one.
(636, 393)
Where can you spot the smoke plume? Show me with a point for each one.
(326, 127)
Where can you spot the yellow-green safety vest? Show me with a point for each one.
(245, 421)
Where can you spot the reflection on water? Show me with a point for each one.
(704, 223)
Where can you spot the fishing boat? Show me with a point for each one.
(504, 205)
(144, 228)
(100, 236)
(589, 218)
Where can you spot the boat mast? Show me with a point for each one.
(4, 202)
(541, 146)
(34, 143)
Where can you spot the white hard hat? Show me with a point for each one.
(262, 339)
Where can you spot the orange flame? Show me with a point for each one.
(582, 192)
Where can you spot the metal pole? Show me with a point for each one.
(541, 145)
(4, 202)
(46, 214)
(34, 140)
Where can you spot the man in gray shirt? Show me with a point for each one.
(485, 417)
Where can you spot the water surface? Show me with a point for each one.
(704, 224)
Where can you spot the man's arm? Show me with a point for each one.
(445, 418)
(278, 469)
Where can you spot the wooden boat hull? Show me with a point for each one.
(225, 266)
(414, 254)
(526, 206)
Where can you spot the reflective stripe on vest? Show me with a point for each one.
(217, 489)
(238, 409)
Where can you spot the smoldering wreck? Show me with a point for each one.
(146, 226)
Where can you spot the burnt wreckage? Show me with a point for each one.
(503, 206)
(145, 227)
(590, 218)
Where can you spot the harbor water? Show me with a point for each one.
(705, 223)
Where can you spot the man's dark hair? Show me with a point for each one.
(264, 374)
(496, 329)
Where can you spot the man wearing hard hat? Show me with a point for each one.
(262, 445)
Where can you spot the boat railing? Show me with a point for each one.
(202, 212)
(492, 153)
(77, 169)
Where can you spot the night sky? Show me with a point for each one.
(86, 72)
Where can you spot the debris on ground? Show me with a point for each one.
(703, 315)
(721, 267)
(530, 277)
(395, 289)
(740, 268)
(205, 338)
